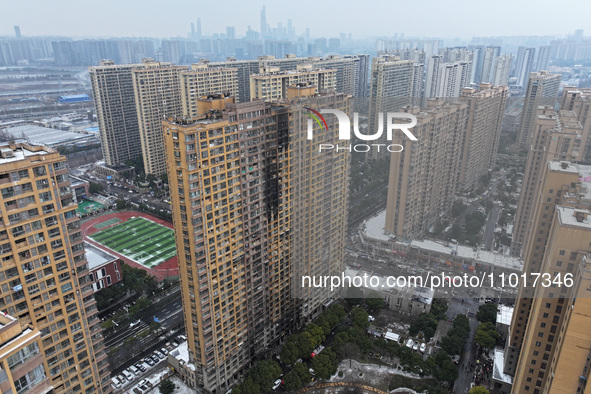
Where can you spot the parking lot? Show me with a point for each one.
(144, 374)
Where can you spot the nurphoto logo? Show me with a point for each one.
(345, 130)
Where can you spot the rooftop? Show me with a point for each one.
(181, 353)
(19, 150)
(504, 315)
(42, 135)
(574, 217)
(499, 362)
(97, 257)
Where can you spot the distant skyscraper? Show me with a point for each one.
(524, 65)
(488, 63)
(263, 23)
(501, 71)
(543, 58)
(17, 32)
(198, 32)
(230, 32)
(424, 176)
(542, 89)
(334, 45)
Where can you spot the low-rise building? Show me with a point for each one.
(105, 269)
(178, 360)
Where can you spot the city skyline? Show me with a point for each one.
(450, 20)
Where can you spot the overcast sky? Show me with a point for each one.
(418, 18)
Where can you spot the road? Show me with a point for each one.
(489, 229)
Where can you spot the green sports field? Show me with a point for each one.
(88, 206)
(140, 240)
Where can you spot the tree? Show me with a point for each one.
(121, 204)
(487, 313)
(107, 324)
(95, 188)
(486, 335)
(323, 365)
(289, 353)
(478, 390)
(167, 387)
(302, 370)
(458, 208)
(293, 381)
(264, 373)
(373, 304)
(359, 317)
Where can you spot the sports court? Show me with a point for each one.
(139, 239)
(88, 206)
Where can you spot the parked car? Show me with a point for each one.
(140, 366)
(128, 375)
(415, 346)
(175, 343)
(158, 354)
(164, 351)
(409, 343)
(116, 383)
(422, 348)
(134, 370)
(276, 384)
(149, 361)
(155, 358)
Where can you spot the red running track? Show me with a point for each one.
(166, 269)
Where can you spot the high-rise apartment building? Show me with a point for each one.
(524, 65)
(543, 58)
(391, 87)
(44, 275)
(253, 206)
(22, 365)
(486, 106)
(351, 70)
(271, 84)
(202, 80)
(542, 89)
(424, 176)
(446, 80)
(578, 100)
(558, 135)
(488, 63)
(112, 87)
(501, 71)
(157, 92)
(548, 342)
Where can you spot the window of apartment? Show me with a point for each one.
(23, 355)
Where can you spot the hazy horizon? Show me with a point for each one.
(447, 20)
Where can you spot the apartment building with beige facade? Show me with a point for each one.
(424, 175)
(44, 279)
(271, 84)
(548, 344)
(486, 106)
(253, 206)
(22, 366)
(157, 92)
(557, 135)
(542, 90)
